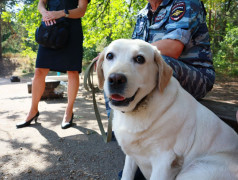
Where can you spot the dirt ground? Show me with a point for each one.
(45, 151)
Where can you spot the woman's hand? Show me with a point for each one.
(49, 17)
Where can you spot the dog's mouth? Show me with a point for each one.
(118, 100)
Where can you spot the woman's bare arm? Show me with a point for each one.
(73, 13)
(41, 6)
(49, 17)
(80, 11)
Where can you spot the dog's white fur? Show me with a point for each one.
(164, 130)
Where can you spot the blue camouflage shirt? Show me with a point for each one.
(182, 20)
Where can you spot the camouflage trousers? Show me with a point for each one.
(197, 81)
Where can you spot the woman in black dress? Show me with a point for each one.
(67, 59)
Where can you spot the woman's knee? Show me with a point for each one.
(41, 72)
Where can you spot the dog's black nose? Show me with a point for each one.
(117, 79)
(117, 82)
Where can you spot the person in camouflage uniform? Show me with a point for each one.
(178, 29)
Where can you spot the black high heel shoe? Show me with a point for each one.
(27, 123)
(66, 125)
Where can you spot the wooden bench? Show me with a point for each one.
(225, 111)
(49, 92)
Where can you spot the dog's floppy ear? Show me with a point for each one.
(100, 70)
(165, 71)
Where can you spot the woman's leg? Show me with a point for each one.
(38, 87)
(73, 86)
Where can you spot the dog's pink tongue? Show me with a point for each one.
(117, 97)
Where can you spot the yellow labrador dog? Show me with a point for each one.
(160, 127)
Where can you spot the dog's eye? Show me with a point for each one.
(139, 59)
(109, 56)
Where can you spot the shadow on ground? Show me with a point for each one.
(45, 151)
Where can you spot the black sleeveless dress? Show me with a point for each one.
(70, 57)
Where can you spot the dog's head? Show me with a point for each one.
(128, 70)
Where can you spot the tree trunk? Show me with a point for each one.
(0, 33)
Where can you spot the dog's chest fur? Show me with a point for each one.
(144, 146)
(137, 131)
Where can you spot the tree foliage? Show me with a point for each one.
(30, 19)
(222, 21)
(111, 19)
(11, 33)
(226, 57)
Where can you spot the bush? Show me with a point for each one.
(226, 59)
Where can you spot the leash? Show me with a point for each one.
(89, 86)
